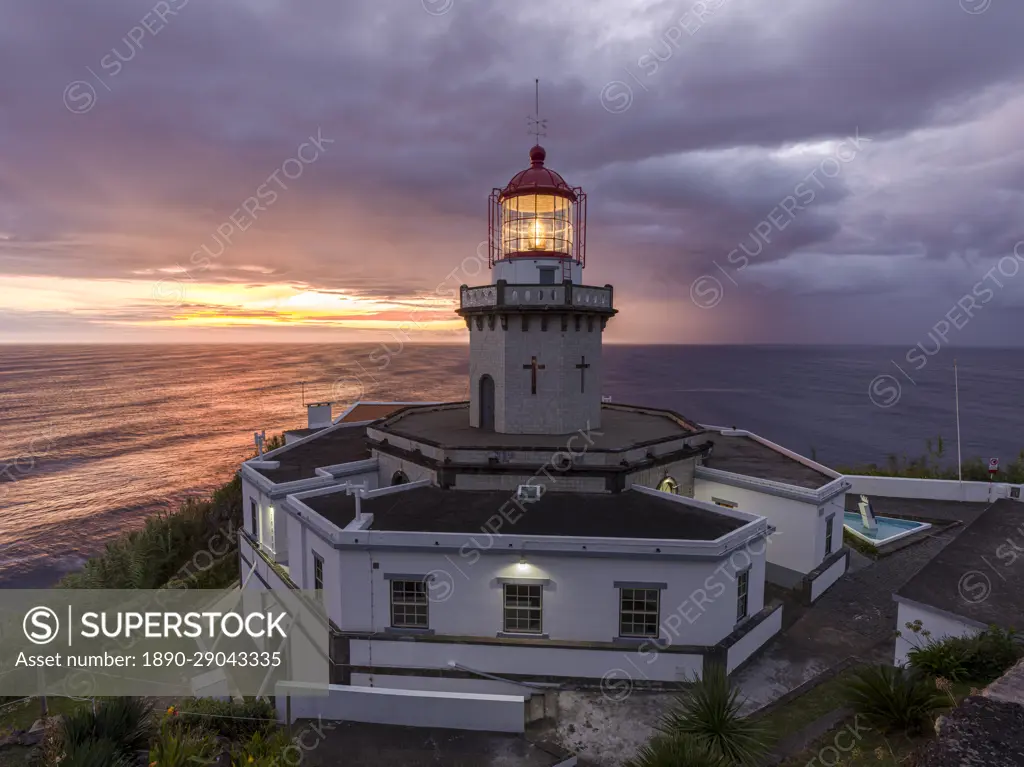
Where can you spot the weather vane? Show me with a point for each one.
(538, 127)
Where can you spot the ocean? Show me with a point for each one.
(95, 438)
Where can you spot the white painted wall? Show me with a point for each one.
(411, 708)
(639, 663)
(753, 641)
(939, 624)
(580, 600)
(444, 684)
(824, 581)
(799, 541)
(526, 271)
(931, 489)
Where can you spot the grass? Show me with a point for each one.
(809, 707)
(22, 716)
(837, 747)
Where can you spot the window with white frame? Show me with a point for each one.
(828, 534)
(638, 612)
(523, 608)
(409, 605)
(742, 594)
(318, 575)
(254, 518)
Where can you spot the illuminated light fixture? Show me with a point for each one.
(523, 564)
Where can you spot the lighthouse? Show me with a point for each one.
(535, 331)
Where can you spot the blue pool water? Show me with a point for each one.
(887, 526)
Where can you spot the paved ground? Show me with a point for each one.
(856, 617)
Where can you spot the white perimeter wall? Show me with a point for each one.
(939, 624)
(931, 489)
(580, 600)
(445, 684)
(642, 663)
(750, 643)
(799, 541)
(412, 708)
(822, 583)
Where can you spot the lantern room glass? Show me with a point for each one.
(536, 223)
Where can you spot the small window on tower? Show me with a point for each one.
(547, 275)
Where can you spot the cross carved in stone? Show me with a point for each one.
(583, 369)
(533, 367)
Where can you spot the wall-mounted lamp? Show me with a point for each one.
(523, 564)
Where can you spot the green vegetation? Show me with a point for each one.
(895, 699)
(109, 736)
(857, 544)
(935, 464)
(162, 549)
(808, 707)
(227, 718)
(705, 729)
(983, 657)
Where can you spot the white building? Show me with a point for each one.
(973, 583)
(537, 534)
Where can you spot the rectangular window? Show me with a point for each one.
(254, 513)
(828, 534)
(318, 575)
(547, 275)
(522, 609)
(638, 612)
(724, 503)
(742, 591)
(409, 604)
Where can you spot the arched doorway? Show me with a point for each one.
(668, 485)
(399, 478)
(486, 394)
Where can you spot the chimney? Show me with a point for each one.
(318, 414)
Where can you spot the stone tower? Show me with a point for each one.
(535, 332)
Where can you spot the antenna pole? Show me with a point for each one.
(959, 461)
(537, 125)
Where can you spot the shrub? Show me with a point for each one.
(946, 658)
(991, 653)
(261, 750)
(981, 657)
(127, 723)
(178, 746)
(235, 721)
(679, 751)
(895, 698)
(708, 711)
(96, 753)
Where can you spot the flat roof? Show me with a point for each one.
(370, 411)
(977, 575)
(740, 454)
(622, 427)
(630, 514)
(330, 447)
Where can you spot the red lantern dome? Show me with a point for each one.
(537, 215)
(537, 179)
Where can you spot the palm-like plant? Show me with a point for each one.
(678, 751)
(894, 697)
(708, 710)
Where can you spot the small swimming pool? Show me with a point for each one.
(889, 529)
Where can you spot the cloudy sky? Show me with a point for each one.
(788, 172)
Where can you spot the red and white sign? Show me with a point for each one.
(993, 465)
